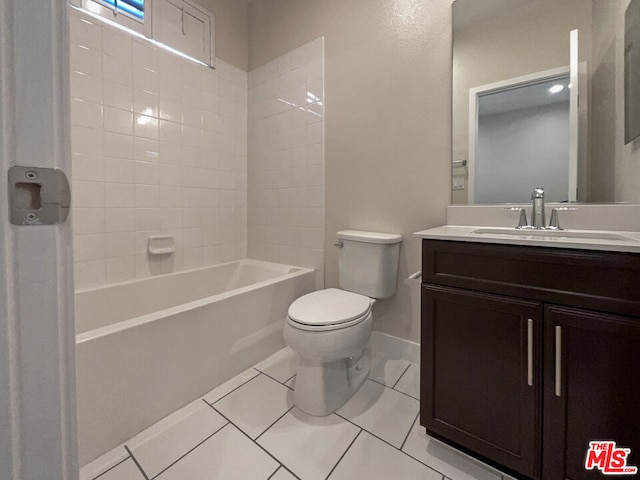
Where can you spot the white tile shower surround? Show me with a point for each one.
(286, 159)
(248, 428)
(159, 147)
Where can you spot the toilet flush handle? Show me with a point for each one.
(415, 276)
(338, 244)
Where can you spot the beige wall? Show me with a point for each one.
(622, 182)
(232, 35)
(387, 123)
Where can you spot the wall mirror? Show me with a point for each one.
(537, 105)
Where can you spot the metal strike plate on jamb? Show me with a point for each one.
(38, 196)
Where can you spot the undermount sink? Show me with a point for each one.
(556, 234)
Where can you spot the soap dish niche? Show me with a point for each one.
(161, 245)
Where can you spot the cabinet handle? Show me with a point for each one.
(530, 352)
(558, 361)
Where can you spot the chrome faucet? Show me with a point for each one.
(537, 210)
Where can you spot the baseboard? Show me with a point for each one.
(395, 347)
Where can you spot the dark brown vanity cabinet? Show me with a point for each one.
(530, 353)
(597, 394)
(480, 385)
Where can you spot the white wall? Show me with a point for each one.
(520, 150)
(37, 342)
(286, 159)
(159, 147)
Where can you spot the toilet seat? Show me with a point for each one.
(329, 309)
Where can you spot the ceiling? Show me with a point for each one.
(524, 97)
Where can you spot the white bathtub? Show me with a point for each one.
(148, 347)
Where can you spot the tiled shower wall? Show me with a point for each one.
(159, 147)
(286, 159)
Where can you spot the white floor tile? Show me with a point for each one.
(103, 463)
(282, 474)
(373, 459)
(256, 405)
(219, 392)
(126, 470)
(155, 454)
(386, 369)
(409, 383)
(441, 457)
(395, 347)
(309, 446)
(229, 454)
(382, 411)
(281, 365)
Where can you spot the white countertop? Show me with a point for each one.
(628, 241)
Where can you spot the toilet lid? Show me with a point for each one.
(329, 307)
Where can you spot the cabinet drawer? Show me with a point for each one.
(602, 281)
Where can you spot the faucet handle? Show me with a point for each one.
(554, 223)
(522, 222)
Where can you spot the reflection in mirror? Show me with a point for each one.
(632, 71)
(521, 139)
(497, 41)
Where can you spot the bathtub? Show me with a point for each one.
(147, 347)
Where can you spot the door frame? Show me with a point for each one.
(476, 92)
(37, 338)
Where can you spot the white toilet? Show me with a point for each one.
(329, 329)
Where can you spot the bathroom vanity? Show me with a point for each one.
(530, 351)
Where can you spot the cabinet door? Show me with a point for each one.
(596, 395)
(481, 366)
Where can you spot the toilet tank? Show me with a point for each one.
(368, 262)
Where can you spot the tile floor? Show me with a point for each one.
(248, 428)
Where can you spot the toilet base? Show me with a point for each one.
(324, 387)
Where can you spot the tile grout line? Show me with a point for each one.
(256, 443)
(272, 475)
(343, 454)
(400, 378)
(277, 420)
(188, 452)
(229, 393)
(274, 379)
(369, 432)
(472, 460)
(97, 477)
(288, 380)
(137, 463)
(391, 445)
(409, 432)
(387, 386)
